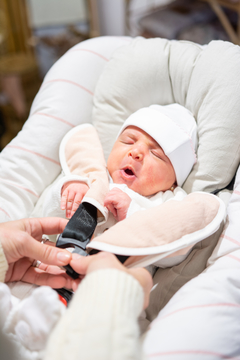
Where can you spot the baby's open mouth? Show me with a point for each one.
(129, 172)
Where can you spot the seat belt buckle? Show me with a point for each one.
(78, 233)
(79, 248)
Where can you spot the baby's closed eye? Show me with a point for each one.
(127, 140)
(158, 154)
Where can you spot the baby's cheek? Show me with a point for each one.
(150, 178)
(152, 174)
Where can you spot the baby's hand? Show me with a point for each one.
(118, 203)
(72, 195)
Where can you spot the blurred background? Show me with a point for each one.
(35, 33)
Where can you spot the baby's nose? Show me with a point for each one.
(137, 153)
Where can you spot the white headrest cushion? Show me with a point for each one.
(204, 80)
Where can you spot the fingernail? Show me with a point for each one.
(64, 257)
(76, 256)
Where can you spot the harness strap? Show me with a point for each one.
(78, 232)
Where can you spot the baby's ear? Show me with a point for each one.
(173, 187)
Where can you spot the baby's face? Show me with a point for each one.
(139, 162)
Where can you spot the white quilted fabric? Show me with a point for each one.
(30, 162)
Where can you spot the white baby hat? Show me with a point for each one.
(174, 128)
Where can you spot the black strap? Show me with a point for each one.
(78, 232)
(82, 224)
(121, 258)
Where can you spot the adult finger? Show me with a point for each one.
(36, 227)
(145, 280)
(29, 247)
(39, 277)
(76, 282)
(51, 269)
(103, 260)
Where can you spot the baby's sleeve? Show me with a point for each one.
(82, 160)
(134, 207)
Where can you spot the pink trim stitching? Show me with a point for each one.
(54, 117)
(20, 187)
(233, 257)
(236, 192)
(202, 352)
(70, 82)
(91, 51)
(5, 213)
(35, 153)
(230, 239)
(197, 307)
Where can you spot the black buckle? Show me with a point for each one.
(69, 243)
(78, 232)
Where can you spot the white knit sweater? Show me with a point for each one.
(101, 322)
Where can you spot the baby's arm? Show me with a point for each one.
(118, 203)
(81, 154)
(71, 196)
(82, 160)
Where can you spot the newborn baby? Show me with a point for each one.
(150, 159)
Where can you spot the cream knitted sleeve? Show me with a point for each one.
(3, 264)
(101, 322)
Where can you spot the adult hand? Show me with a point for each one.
(21, 242)
(72, 195)
(103, 260)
